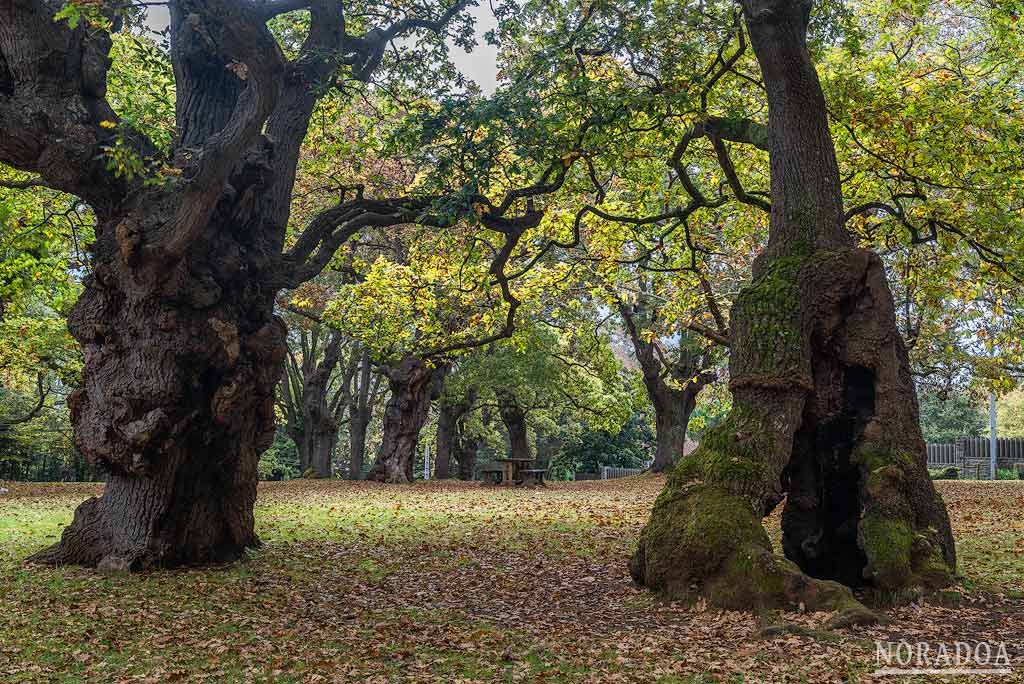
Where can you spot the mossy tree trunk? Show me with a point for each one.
(824, 407)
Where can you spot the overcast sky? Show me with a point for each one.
(480, 65)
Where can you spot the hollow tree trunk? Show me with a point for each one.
(177, 403)
(413, 384)
(823, 402)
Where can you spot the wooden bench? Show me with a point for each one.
(492, 475)
(533, 476)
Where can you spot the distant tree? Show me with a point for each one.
(1010, 415)
(948, 418)
(281, 460)
(631, 447)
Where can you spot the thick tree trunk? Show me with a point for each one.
(177, 404)
(452, 441)
(514, 419)
(672, 410)
(447, 418)
(413, 384)
(466, 452)
(356, 446)
(319, 427)
(361, 414)
(823, 402)
(312, 416)
(673, 403)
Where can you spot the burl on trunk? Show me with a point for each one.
(178, 403)
(825, 410)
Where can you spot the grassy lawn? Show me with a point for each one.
(452, 583)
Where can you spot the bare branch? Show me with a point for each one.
(42, 392)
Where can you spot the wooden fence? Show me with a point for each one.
(610, 473)
(607, 473)
(971, 456)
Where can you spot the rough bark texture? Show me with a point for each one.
(361, 413)
(671, 418)
(414, 383)
(824, 405)
(177, 404)
(514, 419)
(182, 350)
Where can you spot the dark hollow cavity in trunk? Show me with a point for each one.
(824, 404)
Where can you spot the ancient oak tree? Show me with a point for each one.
(176, 320)
(824, 406)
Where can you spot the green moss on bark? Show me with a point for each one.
(692, 531)
(887, 542)
(770, 308)
(734, 453)
(901, 555)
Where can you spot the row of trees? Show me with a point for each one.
(680, 168)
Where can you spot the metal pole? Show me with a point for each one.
(993, 445)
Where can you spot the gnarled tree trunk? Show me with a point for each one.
(824, 404)
(414, 383)
(182, 350)
(177, 404)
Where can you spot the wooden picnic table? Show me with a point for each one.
(510, 468)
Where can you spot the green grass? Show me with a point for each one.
(363, 582)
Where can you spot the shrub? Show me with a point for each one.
(1008, 474)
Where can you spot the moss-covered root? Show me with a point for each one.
(904, 530)
(704, 541)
